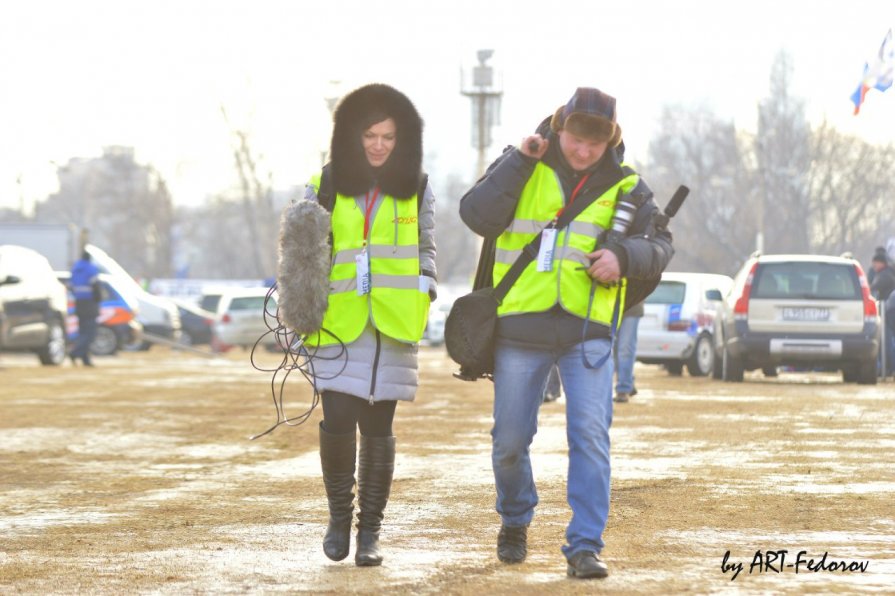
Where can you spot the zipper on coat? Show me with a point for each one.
(375, 367)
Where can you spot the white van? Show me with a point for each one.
(159, 316)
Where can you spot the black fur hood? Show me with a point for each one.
(352, 173)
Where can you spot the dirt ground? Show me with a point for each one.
(137, 476)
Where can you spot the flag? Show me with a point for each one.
(877, 74)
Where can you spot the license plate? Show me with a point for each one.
(806, 314)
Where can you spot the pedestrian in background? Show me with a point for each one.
(626, 353)
(560, 311)
(883, 282)
(382, 279)
(85, 286)
(882, 288)
(879, 251)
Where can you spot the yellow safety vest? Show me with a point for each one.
(398, 301)
(567, 283)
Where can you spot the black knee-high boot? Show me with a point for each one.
(376, 466)
(337, 457)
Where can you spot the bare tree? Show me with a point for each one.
(851, 184)
(782, 154)
(259, 217)
(457, 246)
(714, 229)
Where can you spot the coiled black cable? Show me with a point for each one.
(297, 356)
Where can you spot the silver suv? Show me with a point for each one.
(805, 311)
(33, 305)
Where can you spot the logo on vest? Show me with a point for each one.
(605, 203)
(404, 220)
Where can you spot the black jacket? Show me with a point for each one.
(883, 283)
(489, 206)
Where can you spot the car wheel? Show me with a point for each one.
(105, 343)
(732, 367)
(185, 339)
(769, 371)
(849, 374)
(701, 362)
(675, 369)
(53, 352)
(867, 373)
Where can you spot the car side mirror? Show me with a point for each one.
(713, 295)
(10, 279)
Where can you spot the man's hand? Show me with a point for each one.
(604, 266)
(534, 146)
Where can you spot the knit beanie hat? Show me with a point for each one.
(590, 114)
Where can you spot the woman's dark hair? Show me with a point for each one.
(357, 112)
(374, 117)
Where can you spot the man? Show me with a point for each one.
(562, 314)
(883, 282)
(881, 288)
(84, 283)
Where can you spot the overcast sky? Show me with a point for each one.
(79, 75)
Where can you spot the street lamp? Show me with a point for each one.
(485, 98)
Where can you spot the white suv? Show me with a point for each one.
(240, 318)
(806, 311)
(677, 324)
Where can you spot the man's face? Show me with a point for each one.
(878, 265)
(581, 153)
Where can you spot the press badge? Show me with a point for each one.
(362, 264)
(545, 253)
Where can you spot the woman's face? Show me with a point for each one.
(379, 141)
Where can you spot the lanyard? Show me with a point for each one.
(368, 209)
(572, 198)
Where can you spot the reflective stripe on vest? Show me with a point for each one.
(566, 283)
(398, 302)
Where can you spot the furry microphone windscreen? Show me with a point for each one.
(303, 269)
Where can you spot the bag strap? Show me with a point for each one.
(530, 252)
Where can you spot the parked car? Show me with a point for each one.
(210, 299)
(677, 324)
(433, 334)
(196, 323)
(158, 315)
(240, 321)
(32, 305)
(117, 322)
(806, 311)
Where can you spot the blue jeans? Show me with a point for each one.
(519, 378)
(625, 354)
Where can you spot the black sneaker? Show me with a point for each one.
(511, 543)
(587, 565)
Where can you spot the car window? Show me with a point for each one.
(210, 302)
(806, 280)
(247, 303)
(668, 292)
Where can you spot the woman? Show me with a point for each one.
(381, 281)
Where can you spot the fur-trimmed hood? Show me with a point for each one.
(352, 173)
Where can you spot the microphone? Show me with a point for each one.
(676, 201)
(660, 220)
(303, 266)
